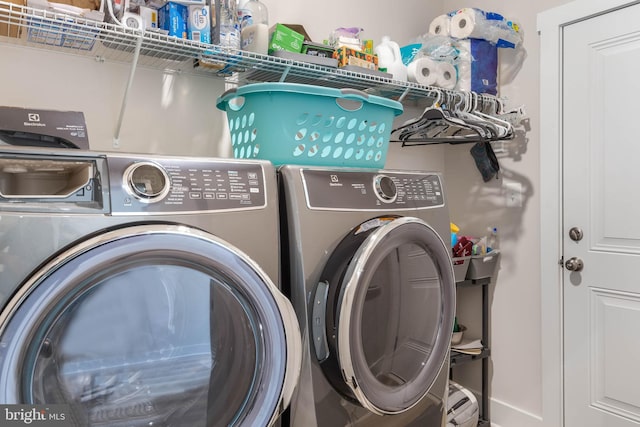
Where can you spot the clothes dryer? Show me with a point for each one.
(371, 280)
(141, 290)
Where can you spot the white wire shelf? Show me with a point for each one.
(40, 29)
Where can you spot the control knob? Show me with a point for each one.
(385, 188)
(147, 182)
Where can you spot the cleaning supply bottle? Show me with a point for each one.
(492, 239)
(254, 26)
(390, 58)
(454, 233)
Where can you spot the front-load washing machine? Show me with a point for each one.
(371, 280)
(141, 290)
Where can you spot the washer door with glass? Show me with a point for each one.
(151, 325)
(383, 313)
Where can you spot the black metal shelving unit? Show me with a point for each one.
(457, 358)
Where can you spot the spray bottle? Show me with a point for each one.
(492, 239)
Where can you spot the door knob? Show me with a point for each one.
(574, 264)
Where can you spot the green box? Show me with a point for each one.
(284, 38)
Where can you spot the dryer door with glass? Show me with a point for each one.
(151, 325)
(383, 314)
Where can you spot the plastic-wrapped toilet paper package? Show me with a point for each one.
(440, 25)
(439, 48)
(447, 75)
(478, 24)
(423, 71)
(477, 66)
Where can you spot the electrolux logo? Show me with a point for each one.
(34, 120)
(335, 181)
(34, 415)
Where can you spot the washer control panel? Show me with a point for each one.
(159, 185)
(375, 190)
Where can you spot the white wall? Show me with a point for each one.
(165, 113)
(176, 114)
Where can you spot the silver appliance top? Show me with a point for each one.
(157, 185)
(85, 182)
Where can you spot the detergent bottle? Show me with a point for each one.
(254, 26)
(389, 57)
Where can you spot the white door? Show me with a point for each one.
(601, 196)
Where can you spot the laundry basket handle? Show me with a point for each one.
(355, 92)
(229, 99)
(352, 99)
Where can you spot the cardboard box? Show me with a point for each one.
(12, 30)
(344, 53)
(362, 63)
(28, 126)
(173, 17)
(149, 16)
(284, 38)
(299, 29)
(10, 25)
(199, 25)
(82, 4)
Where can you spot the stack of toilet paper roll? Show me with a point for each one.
(441, 25)
(471, 23)
(429, 72)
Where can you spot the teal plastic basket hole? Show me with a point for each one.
(317, 127)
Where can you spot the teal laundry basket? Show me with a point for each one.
(288, 123)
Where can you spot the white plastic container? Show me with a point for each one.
(254, 27)
(389, 57)
(462, 407)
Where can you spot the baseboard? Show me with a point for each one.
(505, 415)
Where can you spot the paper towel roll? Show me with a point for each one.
(423, 71)
(440, 26)
(447, 75)
(477, 24)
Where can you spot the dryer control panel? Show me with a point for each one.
(170, 185)
(375, 190)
